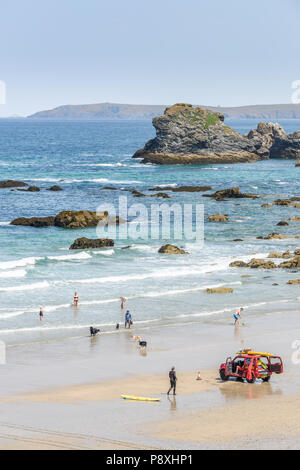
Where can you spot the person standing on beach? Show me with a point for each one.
(173, 380)
(237, 316)
(76, 299)
(41, 314)
(128, 319)
(123, 302)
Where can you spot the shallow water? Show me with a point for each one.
(36, 267)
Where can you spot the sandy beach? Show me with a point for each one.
(68, 393)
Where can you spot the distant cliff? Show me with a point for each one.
(189, 135)
(114, 111)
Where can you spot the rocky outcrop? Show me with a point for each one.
(266, 205)
(172, 250)
(293, 263)
(218, 218)
(219, 290)
(298, 163)
(67, 219)
(78, 219)
(188, 135)
(231, 193)
(90, 243)
(38, 222)
(261, 264)
(294, 281)
(12, 184)
(30, 189)
(282, 223)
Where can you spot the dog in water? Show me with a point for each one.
(94, 331)
(143, 344)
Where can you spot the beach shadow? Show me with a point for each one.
(173, 404)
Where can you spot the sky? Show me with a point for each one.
(214, 52)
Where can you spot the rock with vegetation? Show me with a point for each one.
(172, 250)
(194, 135)
(90, 243)
(187, 135)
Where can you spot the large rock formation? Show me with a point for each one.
(187, 135)
(12, 184)
(66, 219)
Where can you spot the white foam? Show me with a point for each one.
(18, 263)
(4, 223)
(11, 274)
(75, 256)
(104, 252)
(37, 285)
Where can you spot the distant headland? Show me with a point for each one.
(127, 112)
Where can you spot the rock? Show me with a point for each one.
(234, 193)
(294, 281)
(293, 263)
(282, 223)
(238, 264)
(287, 254)
(286, 202)
(218, 218)
(12, 184)
(261, 264)
(295, 219)
(220, 290)
(298, 163)
(266, 205)
(37, 222)
(275, 284)
(109, 188)
(275, 254)
(55, 188)
(31, 189)
(275, 236)
(89, 243)
(238, 240)
(297, 252)
(161, 195)
(172, 250)
(182, 189)
(136, 193)
(187, 135)
(78, 219)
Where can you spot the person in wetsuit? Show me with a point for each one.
(173, 380)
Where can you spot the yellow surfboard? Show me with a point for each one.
(130, 397)
(255, 353)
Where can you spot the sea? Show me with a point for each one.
(82, 157)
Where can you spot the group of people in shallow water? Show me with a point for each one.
(128, 315)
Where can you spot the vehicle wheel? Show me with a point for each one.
(252, 380)
(266, 379)
(223, 376)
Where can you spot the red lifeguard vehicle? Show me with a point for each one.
(251, 365)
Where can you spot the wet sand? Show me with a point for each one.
(66, 394)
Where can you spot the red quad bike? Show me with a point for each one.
(251, 366)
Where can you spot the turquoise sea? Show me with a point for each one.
(37, 268)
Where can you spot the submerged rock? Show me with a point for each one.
(282, 223)
(55, 188)
(31, 189)
(90, 243)
(171, 250)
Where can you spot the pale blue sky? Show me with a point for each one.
(217, 52)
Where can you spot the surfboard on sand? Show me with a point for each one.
(130, 397)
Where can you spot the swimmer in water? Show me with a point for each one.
(123, 302)
(76, 299)
(41, 314)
